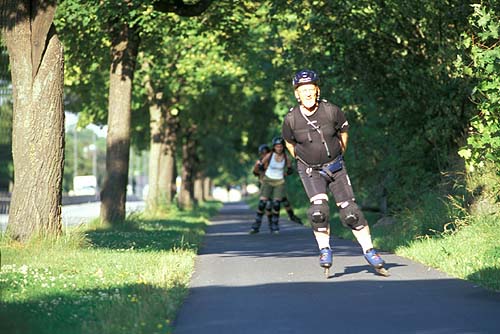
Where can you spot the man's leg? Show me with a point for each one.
(352, 217)
(319, 213)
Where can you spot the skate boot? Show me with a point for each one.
(255, 228)
(376, 261)
(296, 219)
(274, 226)
(325, 260)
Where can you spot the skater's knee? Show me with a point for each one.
(351, 216)
(269, 205)
(319, 213)
(285, 202)
(276, 205)
(261, 206)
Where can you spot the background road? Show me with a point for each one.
(77, 214)
(266, 283)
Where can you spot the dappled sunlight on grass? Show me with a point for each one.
(134, 308)
(126, 279)
(149, 235)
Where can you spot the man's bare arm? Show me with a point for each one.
(290, 148)
(343, 141)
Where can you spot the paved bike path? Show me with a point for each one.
(266, 283)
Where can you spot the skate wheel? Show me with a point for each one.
(383, 272)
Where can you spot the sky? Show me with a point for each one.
(72, 118)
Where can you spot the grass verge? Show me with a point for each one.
(456, 233)
(471, 253)
(102, 280)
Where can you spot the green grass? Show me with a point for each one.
(102, 280)
(463, 247)
(457, 233)
(471, 252)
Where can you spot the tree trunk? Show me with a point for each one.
(163, 129)
(198, 188)
(36, 61)
(124, 48)
(186, 198)
(161, 160)
(168, 170)
(156, 128)
(186, 194)
(207, 188)
(166, 184)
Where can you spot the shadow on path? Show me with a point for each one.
(273, 284)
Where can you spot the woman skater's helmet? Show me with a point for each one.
(278, 140)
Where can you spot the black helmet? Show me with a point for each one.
(304, 77)
(264, 148)
(278, 140)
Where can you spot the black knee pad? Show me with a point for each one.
(261, 206)
(319, 215)
(352, 217)
(269, 206)
(276, 205)
(285, 202)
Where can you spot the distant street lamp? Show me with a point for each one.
(75, 152)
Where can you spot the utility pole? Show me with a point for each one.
(75, 153)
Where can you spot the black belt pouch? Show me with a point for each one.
(331, 168)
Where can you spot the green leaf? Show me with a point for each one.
(465, 153)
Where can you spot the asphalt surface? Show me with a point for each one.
(266, 283)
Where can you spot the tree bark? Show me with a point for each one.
(124, 48)
(37, 68)
(207, 188)
(156, 125)
(166, 184)
(186, 196)
(168, 171)
(161, 159)
(198, 188)
(163, 128)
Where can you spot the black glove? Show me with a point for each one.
(289, 171)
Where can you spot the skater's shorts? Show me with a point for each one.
(273, 189)
(315, 184)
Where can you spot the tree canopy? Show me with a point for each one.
(404, 73)
(417, 80)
